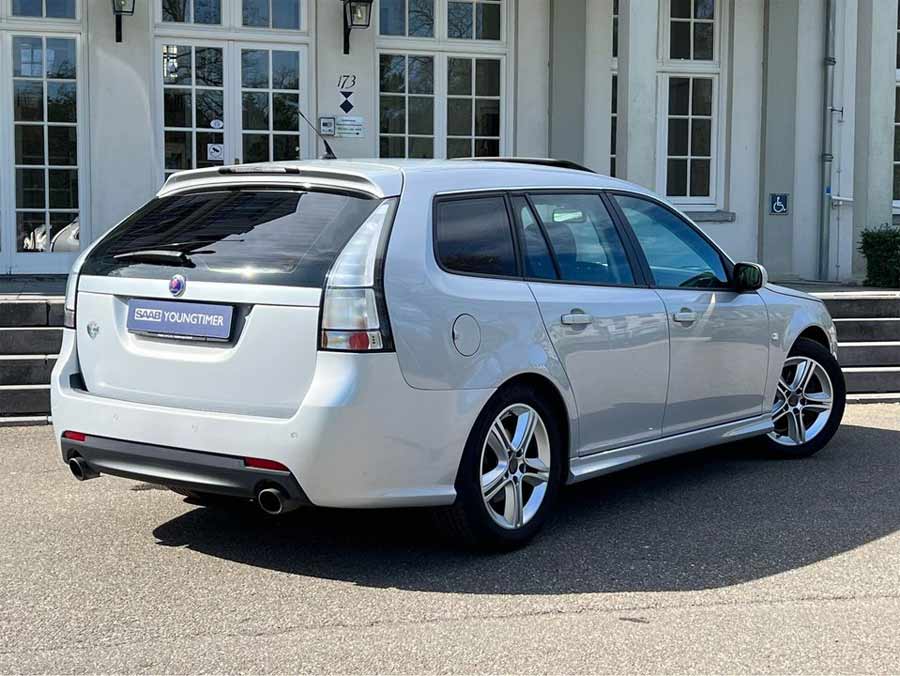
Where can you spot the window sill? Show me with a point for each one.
(711, 216)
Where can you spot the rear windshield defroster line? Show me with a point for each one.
(258, 236)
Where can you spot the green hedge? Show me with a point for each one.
(881, 247)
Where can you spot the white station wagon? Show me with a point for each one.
(467, 335)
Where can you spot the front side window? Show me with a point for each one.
(49, 9)
(45, 138)
(584, 239)
(677, 255)
(406, 106)
(538, 261)
(473, 235)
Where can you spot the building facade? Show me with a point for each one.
(771, 122)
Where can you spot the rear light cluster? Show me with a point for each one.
(262, 463)
(74, 436)
(354, 314)
(69, 307)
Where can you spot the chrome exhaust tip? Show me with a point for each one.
(274, 501)
(81, 470)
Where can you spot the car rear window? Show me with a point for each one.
(249, 236)
(473, 236)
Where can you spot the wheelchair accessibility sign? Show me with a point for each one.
(778, 203)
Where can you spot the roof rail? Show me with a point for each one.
(542, 161)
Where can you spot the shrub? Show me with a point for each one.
(881, 248)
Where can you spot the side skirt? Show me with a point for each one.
(598, 464)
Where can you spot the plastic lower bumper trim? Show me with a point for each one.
(173, 467)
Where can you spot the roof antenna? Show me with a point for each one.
(329, 153)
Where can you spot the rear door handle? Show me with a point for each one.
(577, 318)
(685, 316)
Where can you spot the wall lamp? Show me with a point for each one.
(121, 8)
(357, 14)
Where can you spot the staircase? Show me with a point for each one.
(30, 336)
(868, 328)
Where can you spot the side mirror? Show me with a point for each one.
(750, 276)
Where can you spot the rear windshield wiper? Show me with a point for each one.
(163, 256)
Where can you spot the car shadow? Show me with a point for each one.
(709, 519)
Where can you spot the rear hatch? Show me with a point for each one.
(209, 300)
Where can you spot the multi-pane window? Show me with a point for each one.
(692, 29)
(270, 104)
(473, 107)
(45, 138)
(475, 19)
(615, 29)
(192, 11)
(406, 106)
(408, 18)
(193, 107)
(278, 14)
(897, 143)
(689, 149)
(50, 9)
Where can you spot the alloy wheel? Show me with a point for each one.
(515, 466)
(803, 402)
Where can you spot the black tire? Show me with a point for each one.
(813, 350)
(468, 519)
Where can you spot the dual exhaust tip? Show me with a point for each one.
(272, 501)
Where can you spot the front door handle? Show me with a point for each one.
(577, 318)
(685, 316)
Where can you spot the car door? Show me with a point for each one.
(719, 338)
(608, 328)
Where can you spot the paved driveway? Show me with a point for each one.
(717, 561)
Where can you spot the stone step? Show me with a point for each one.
(30, 340)
(29, 400)
(26, 369)
(869, 353)
(870, 329)
(37, 312)
(862, 306)
(872, 379)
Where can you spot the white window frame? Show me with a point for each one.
(11, 260)
(716, 69)
(41, 23)
(441, 48)
(232, 26)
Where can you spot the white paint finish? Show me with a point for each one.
(875, 75)
(597, 84)
(636, 141)
(567, 77)
(532, 81)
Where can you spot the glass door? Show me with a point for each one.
(231, 102)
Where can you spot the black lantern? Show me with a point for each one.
(357, 14)
(121, 8)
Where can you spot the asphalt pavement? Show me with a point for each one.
(718, 561)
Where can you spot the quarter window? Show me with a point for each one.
(50, 9)
(585, 240)
(45, 137)
(473, 236)
(677, 255)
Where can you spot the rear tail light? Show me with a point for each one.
(354, 314)
(69, 307)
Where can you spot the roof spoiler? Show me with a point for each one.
(542, 161)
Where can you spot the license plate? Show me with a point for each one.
(177, 319)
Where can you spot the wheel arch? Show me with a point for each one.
(815, 333)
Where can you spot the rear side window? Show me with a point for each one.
(473, 236)
(249, 236)
(586, 243)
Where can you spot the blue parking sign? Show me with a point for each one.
(778, 203)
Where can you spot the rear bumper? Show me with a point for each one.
(178, 468)
(362, 437)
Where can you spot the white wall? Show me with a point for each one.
(532, 79)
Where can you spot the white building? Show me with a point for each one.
(724, 105)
